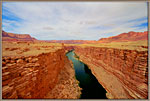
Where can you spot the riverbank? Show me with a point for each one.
(112, 66)
(91, 88)
(67, 86)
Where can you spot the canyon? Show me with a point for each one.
(123, 73)
(48, 75)
(34, 69)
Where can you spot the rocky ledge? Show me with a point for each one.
(48, 75)
(67, 87)
(123, 73)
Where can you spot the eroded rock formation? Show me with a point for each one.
(36, 76)
(43, 71)
(123, 73)
(130, 36)
(16, 37)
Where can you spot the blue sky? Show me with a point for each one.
(73, 20)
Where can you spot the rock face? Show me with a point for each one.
(34, 76)
(123, 73)
(67, 86)
(16, 37)
(130, 36)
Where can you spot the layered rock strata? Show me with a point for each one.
(67, 87)
(16, 37)
(36, 76)
(123, 73)
(125, 37)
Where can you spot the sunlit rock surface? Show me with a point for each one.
(123, 73)
(35, 75)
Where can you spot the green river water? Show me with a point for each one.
(92, 89)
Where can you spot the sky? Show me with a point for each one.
(74, 20)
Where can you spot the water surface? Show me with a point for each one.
(91, 87)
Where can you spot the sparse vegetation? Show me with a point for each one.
(24, 49)
(132, 45)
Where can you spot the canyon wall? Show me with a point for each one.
(123, 73)
(36, 76)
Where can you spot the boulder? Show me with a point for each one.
(19, 61)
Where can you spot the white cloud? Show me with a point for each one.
(74, 20)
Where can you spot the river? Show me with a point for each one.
(91, 88)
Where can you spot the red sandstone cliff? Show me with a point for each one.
(16, 37)
(130, 36)
(38, 76)
(123, 37)
(123, 73)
